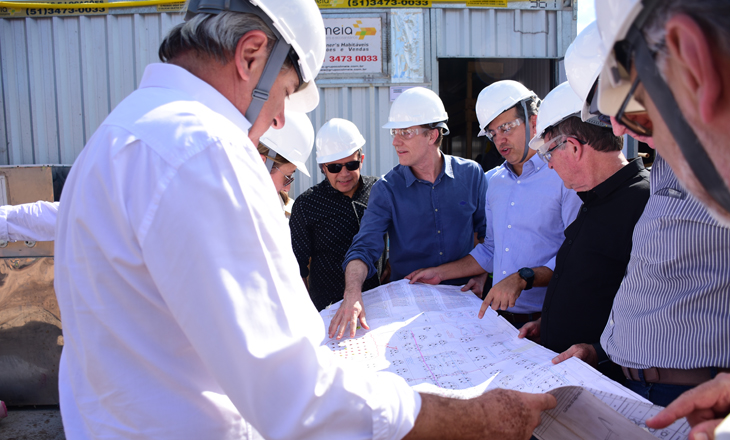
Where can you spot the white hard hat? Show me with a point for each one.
(293, 141)
(560, 104)
(299, 23)
(583, 61)
(417, 106)
(614, 18)
(337, 139)
(498, 97)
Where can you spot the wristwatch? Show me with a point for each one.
(528, 275)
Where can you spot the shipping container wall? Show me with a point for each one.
(61, 76)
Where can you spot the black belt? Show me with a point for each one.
(674, 376)
(519, 318)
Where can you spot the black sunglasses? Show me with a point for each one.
(335, 168)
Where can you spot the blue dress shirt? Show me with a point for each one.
(428, 224)
(526, 220)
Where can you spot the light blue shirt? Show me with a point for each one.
(526, 220)
(673, 307)
(428, 224)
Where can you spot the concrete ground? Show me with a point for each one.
(32, 423)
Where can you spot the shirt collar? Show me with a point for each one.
(611, 184)
(170, 76)
(533, 165)
(447, 169)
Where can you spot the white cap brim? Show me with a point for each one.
(305, 100)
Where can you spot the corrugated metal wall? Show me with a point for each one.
(61, 76)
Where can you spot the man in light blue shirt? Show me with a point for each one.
(527, 210)
(431, 205)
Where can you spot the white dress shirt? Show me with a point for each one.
(28, 222)
(183, 310)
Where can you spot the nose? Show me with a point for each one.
(279, 120)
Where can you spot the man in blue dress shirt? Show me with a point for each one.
(527, 210)
(431, 205)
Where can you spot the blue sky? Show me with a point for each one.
(586, 13)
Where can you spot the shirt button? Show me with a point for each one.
(504, 272)
(513, 203)
(433, 187)
(612, 322)
(518, 181)
(556, 275)
(439, 232)
(570, 241)
(441, 253)
(437, 210)
(584, 209)
(509, 226)
(506, 249)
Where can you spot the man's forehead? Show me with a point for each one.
(508, 115)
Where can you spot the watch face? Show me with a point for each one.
(526, 273)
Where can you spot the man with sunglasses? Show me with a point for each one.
(527, 210)
(431, 205)
(592, 260)
(327, 216)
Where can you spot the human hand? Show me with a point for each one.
(504, 294)
(513, 414)
(428, 275)
(476, 284)
(351, 310)
(499, 414)
(585, 352)
(704, 406)
(531, 331)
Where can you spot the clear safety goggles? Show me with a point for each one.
(503, 129)
(408, 133)
(546, 150)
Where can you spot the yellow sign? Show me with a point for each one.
(331, 4)
(486, 3)
(53, 8)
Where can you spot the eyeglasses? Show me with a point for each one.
(407, 133)
(335, 168)
(623, 117)
(503, 129)
(287, 179)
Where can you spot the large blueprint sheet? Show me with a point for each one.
(431, 336)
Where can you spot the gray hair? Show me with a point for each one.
(533, 105)
(712, 16)
(213, 35)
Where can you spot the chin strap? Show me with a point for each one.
(527, 131)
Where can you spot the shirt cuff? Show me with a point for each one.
(483, 257)
(4, 236)
(395, 407)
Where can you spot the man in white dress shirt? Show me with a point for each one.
(184, 315)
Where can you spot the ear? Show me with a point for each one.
(433, 135)
(533, 125)
(576, 148)
(692, 61)
(251, 55)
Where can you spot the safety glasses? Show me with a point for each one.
(407, 133)
(335, 168)
(287, 179)
(546, 150)
(503, 129)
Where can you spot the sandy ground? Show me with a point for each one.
(28, 423)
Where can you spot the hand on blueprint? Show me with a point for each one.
(584, 352)
(429, 275)
(499, 414)
(476, 285)
(531, 331)
(704, 406)
(351, 310)
(504, 294)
